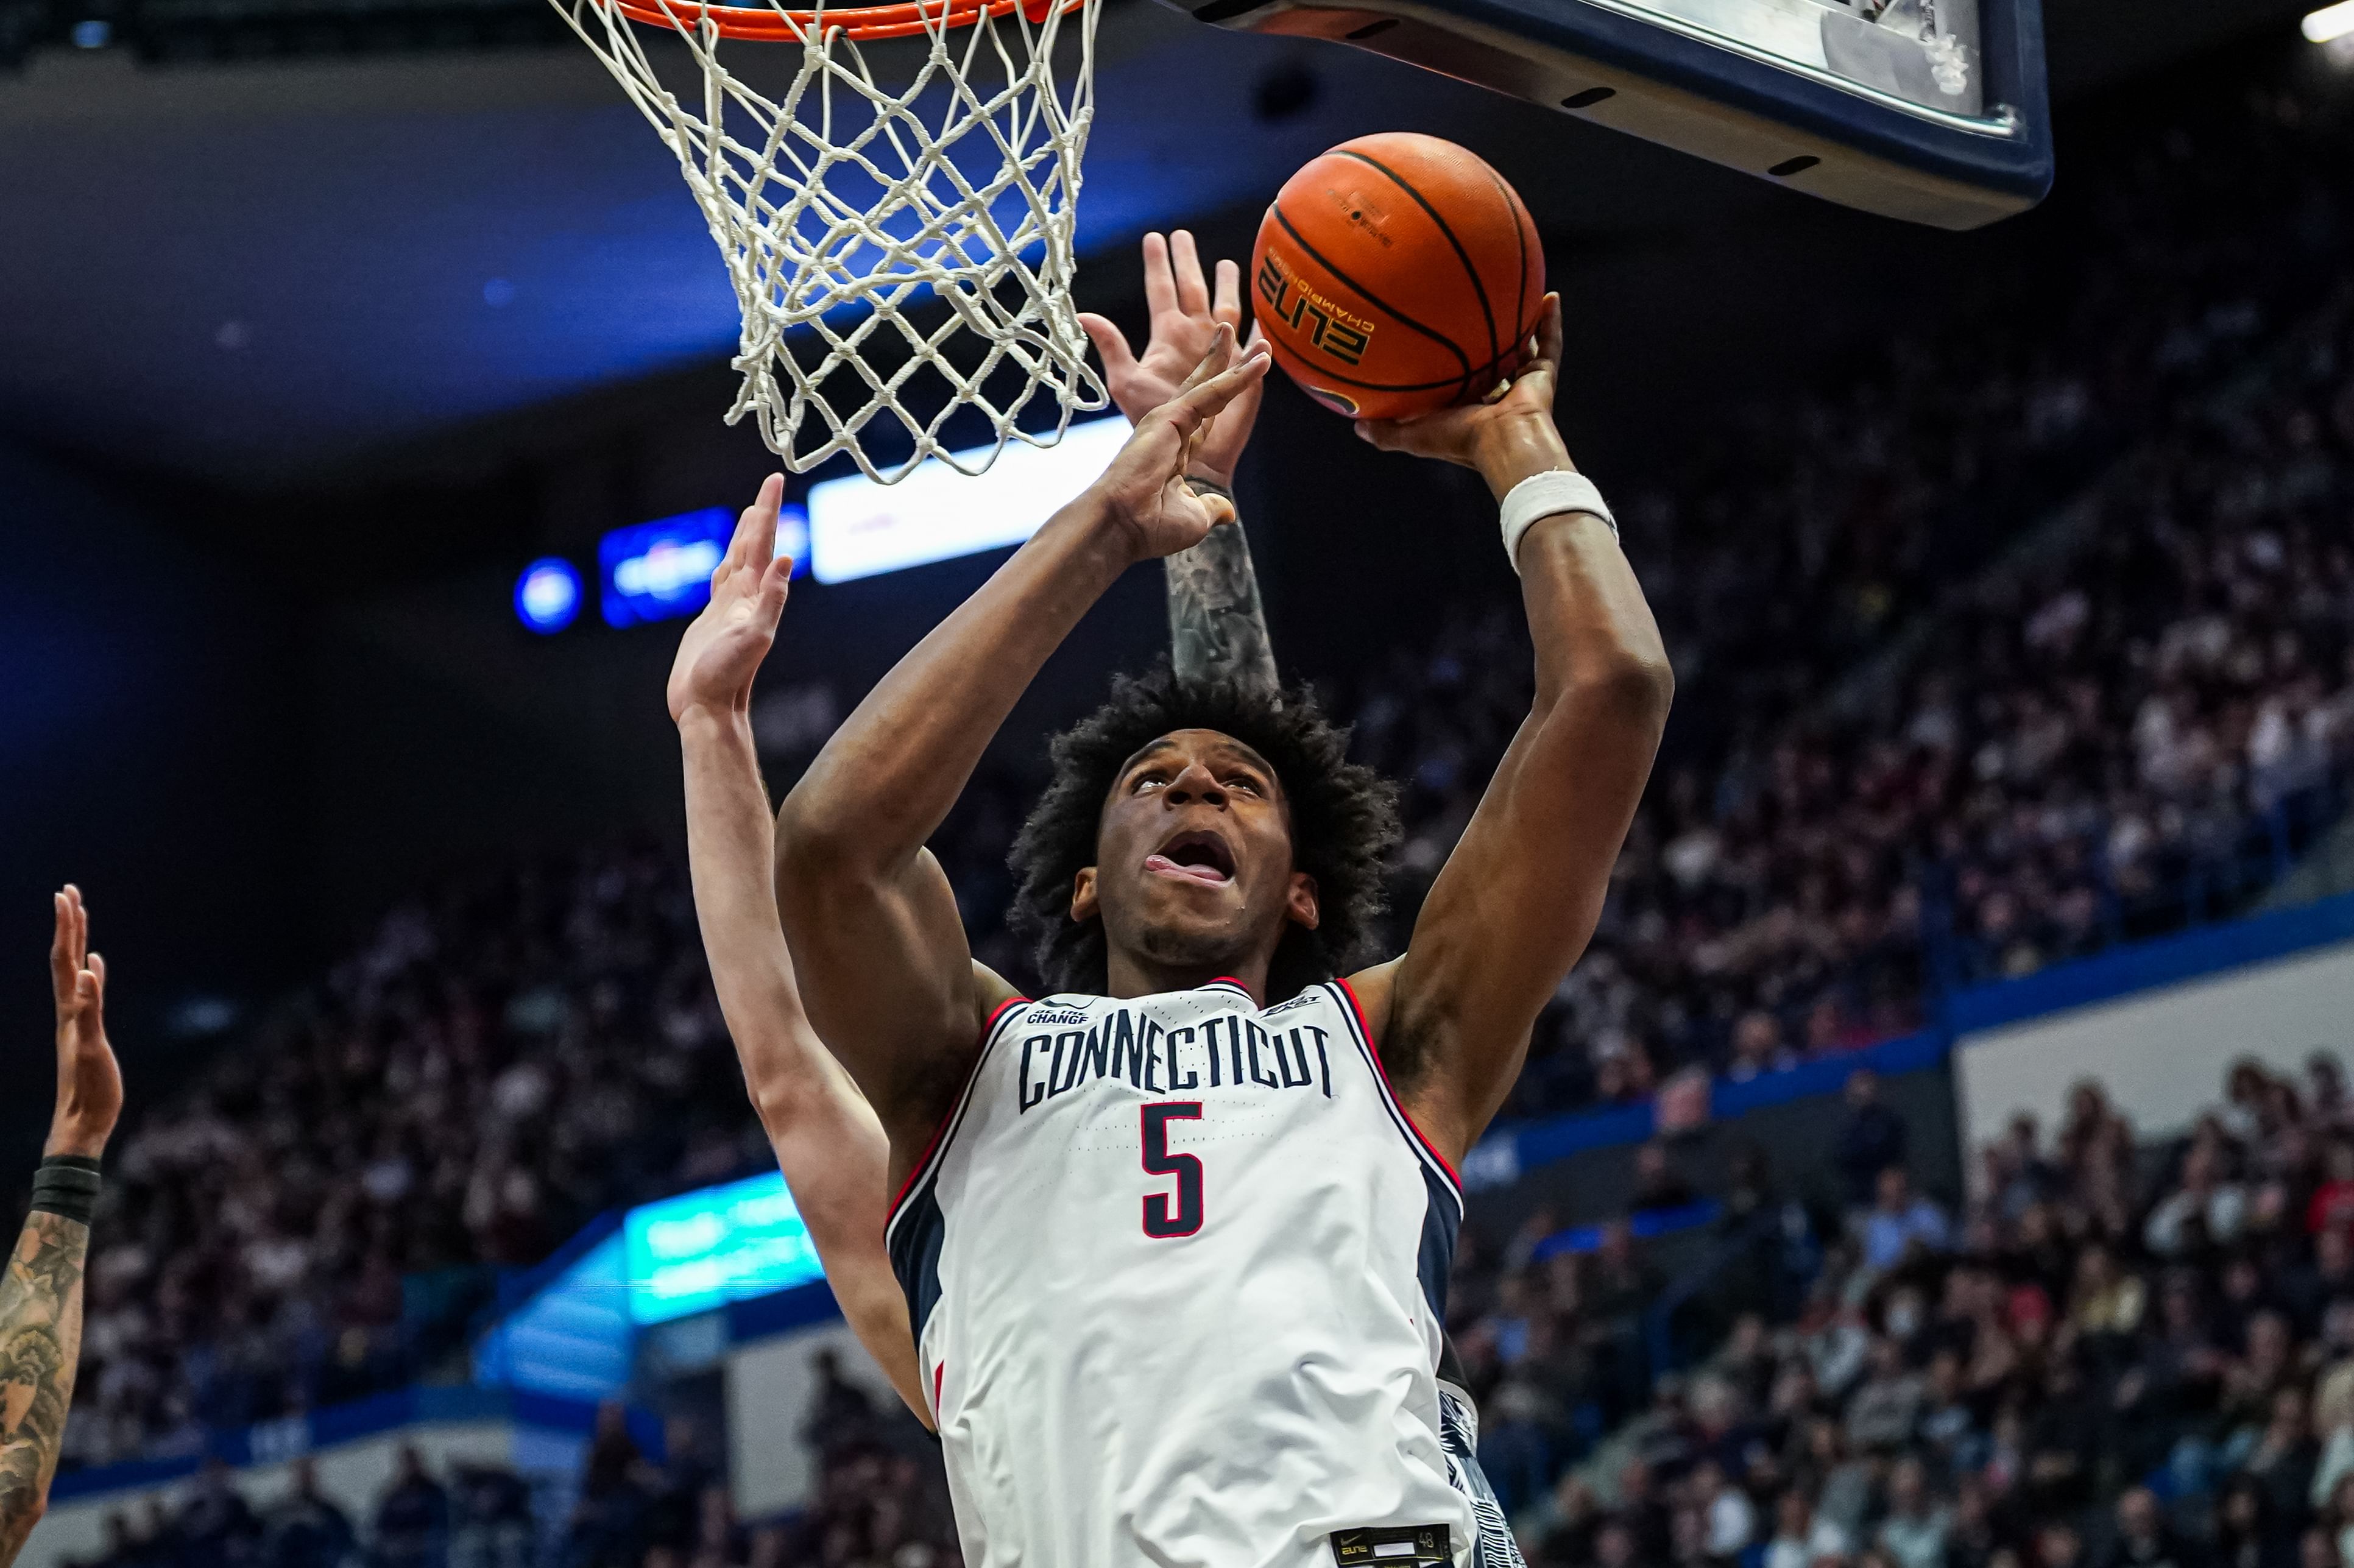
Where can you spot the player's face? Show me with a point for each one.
(1193, 855)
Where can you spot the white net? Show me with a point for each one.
(902, 254)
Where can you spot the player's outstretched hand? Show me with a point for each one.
(1186, 315)
(90, 1084)
(1144, 491)
(1506, 440)
(724, 645)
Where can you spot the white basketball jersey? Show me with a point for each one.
(1177, 1270)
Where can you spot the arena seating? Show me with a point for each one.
(2103, 1359)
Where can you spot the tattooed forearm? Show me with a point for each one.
(1216, 628)
(40, 1341)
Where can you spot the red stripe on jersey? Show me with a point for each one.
(1359, 1009)
(940, 1131)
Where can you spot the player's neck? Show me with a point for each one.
(1132, 975)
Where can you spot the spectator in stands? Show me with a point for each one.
(215, 1527)
(609, 1521)
(2205, 1210)
(412, 1517)
(490, 1523)
(2144, 1538)
(1757, 1047)
(2245, 1534)
(306, 1529)
(2332, 1207)
(1658, 1183)
(1914, 1532)
(154, 1541)
(1613, 1547)
(121, 1548)
(675, 1501)
(841, 1414)
(2324, 1078)
(1883, 1413)
(1728, 1519)
(2106, 1300)
(1872, 1142)
(1566, 1534)
(1899, 1221)
(2058, 1544)
(1801, 1538)
(2017, 1176)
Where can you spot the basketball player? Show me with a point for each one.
(828, 1140)
(828, 1143)
(1175, 1247)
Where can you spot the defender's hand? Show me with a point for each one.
(724, 645)
(1508, 440)
(90, 1084)
(1144, 492)
(1185, 319)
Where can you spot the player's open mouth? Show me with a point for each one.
(1196, 856)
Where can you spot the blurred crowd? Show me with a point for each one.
(480, 1518)
(2144, 733)
(2071, 754)
(880, 1502)
(2118, 1355)
(493, 1067)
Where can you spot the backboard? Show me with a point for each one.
(1930, 110)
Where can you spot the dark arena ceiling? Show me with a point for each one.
(244, 241)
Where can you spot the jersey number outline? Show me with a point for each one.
(1159, 1222)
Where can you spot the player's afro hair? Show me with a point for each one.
(1343, 823)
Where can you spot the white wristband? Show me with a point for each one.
(1542, 496)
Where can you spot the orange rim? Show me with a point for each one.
(905, 20)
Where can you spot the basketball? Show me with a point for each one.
(1397, 274)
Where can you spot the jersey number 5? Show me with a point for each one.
(1158, 1219)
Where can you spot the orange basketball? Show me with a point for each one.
(1397, 274)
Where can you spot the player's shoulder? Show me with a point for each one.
(1373, 992)
(992, 997)
(1403, 1029)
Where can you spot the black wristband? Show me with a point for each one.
(66, 1185)
(1198, 485)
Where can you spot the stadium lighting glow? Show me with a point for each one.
(705, 1248)
(547, 595)
(659, 569)
(858, 528)
(2330, 22)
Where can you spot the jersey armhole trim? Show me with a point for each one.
(930, 1157)
(1373, 1054)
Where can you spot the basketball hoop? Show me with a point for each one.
(842, 205)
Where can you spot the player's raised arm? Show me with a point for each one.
(828, 1142)
(40, 1291)
(884, 969)
(1216, 627)
(1518, 900)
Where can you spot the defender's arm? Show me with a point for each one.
(828, 1140)
(1519, 898)
(885, 972)
(1216, 627)
(41, 1287)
